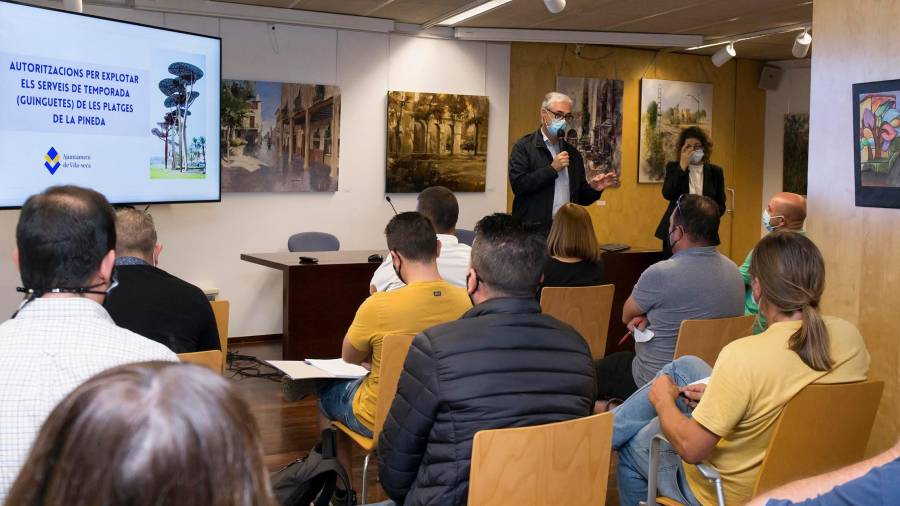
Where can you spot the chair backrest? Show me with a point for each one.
(393, 354)
(586, 308)
(465, 236)
(564, 462)
(313, 241)
(211, 359)
(706, 338)
(221, 309)
(822, 428)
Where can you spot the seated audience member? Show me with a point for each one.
(574, 255)
(425, 300)
(151, 302)
(875, 481)
(697, 283)
(60, 335)
(439, 205)
(503, 364)
(147, 434)
(728, 424)
(785, 211)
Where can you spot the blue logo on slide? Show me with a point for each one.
(51, 161)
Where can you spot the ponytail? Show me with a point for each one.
(811, 340)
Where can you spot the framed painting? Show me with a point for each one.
(596, 127)
(667, 107)
(876, 123)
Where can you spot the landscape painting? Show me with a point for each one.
(596, 129)
(796, 153)
(876, 123)
(280, 137)
(436, 139)
(667, 107)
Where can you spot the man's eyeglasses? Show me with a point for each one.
(560, 115)
(678, 203)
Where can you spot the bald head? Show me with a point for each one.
(790, 207)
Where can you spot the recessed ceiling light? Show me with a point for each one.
(474, 11)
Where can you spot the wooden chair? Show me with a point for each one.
(393, 354)
(706, 338)
(824, 427)
(586, 308)
(211, 359)
(221, 310)
(565, 462)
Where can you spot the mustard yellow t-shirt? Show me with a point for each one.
(752, 380)
(407, 310)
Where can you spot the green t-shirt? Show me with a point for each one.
(751, 307)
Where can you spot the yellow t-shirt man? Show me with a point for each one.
(407, 310)
(752, 380)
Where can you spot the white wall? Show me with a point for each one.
(791, 97)
(203, 242)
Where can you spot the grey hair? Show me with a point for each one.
(555, 96)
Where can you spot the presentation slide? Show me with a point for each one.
(128, 110)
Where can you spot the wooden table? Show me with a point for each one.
(623, 269)
(320, 300)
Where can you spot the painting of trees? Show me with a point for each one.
(436, 139)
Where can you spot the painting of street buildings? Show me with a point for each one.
(596, 126)
(667, 107)
(436, 139)
(280, 137)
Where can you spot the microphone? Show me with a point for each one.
(388, 198)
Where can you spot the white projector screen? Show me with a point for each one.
(129, 110)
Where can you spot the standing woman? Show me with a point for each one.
(692, 174)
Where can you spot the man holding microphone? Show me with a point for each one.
(546, 172)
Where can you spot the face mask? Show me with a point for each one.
(767, 220)
(669, 237)
(477, 281)
(556, 125)
(397, 269)
(697, 156)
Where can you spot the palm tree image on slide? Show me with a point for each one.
(182, 159)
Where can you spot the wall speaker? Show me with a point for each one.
(770, 78)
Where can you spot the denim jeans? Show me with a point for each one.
(636, 424)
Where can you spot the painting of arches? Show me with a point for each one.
(436, 139)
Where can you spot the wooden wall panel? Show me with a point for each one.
(861, 245)
(631, 213)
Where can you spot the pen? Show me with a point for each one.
(625, 337)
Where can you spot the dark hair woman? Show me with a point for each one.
(143, 435)
(691, 174)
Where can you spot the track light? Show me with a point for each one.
(801, 45)
(555, 6)
(723, 55)
(73, 5)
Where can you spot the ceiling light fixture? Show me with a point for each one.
(723, 55)
(73, 5)
(555, 6)
(741, 37)
(467, 12)
(801, 45)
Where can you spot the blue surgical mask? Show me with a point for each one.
(767, 220)
(697, 156)
(556, 125)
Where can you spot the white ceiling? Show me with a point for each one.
(715, 19)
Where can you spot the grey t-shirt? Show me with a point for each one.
(695, 284)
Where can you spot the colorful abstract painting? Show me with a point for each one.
(596, 129)
(667, 107)
(876, 123)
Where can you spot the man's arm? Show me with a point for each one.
(353, 356)
(693, 442)
(522, 179)
(744, 269)
(357, 345)
(823, 484)
(404, 437)
(631, 310)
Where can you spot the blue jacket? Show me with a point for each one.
(502, 364)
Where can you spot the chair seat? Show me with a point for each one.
(367, 443)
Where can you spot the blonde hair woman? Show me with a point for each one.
(574, 256)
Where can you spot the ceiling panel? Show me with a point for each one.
(711, 18)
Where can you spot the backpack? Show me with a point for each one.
(311, 479)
